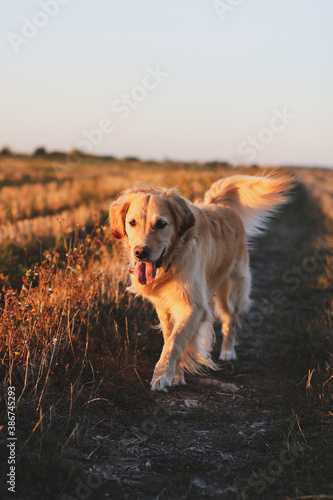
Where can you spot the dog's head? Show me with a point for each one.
(151, 221)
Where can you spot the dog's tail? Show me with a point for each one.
(254, 198)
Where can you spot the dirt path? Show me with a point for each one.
(250, 430)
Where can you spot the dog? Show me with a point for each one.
(184, 257)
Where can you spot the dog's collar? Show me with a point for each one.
(160, 260)
(170, 264)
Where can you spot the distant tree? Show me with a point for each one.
(109, 158)
(6, 151)
(217, 164)
(211, 164)
(131, 158)
(40, 152)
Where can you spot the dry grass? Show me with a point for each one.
(67, 322)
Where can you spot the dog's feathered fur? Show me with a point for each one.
(185, 256)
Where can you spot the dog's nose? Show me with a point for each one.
(141, 253)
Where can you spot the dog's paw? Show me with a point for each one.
(160, 383)
(228, 355)
(164, 374)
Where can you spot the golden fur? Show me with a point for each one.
(202, 252)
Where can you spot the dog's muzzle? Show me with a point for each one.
(145, 272)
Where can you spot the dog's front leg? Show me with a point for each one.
(174, 347)
(165, 321)
(167, 327)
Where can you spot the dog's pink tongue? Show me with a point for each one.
(140, 272)
(150, 272)
(145, 272)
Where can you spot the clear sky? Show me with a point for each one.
(247, 81)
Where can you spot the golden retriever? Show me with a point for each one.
(185, 256)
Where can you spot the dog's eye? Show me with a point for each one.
(132, 223)
(160, 224)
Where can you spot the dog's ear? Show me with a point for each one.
(118, 211)
(184, 217)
